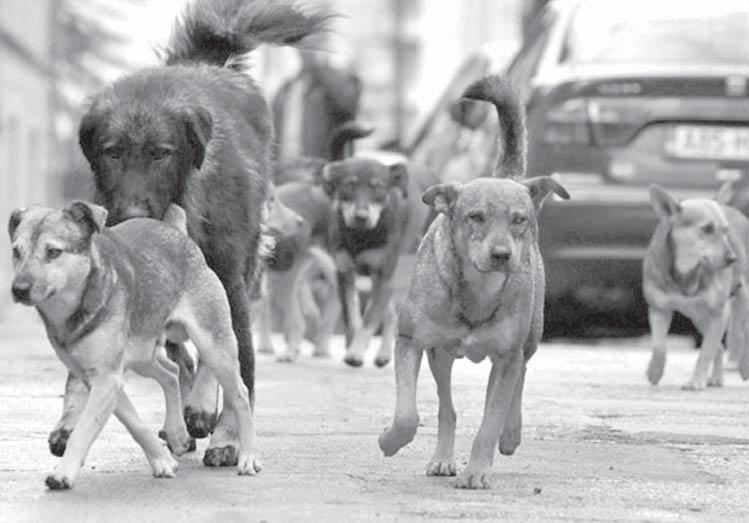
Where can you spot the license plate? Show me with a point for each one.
(709, 142)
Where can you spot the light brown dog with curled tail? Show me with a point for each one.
(477, 291)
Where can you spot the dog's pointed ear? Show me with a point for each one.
(15, 220)
(90, 216)
(441, 197)
(399, 178)
(725, 193)
(329, 176)
(664, 204)
(541, 186)
(199, 128)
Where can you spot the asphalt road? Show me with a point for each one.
(599, 444)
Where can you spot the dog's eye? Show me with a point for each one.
(113, 153)
(476, 217)
(53, 252)
(708, 228)
(160, 154)
(519, 220)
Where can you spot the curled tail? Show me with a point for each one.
(343, 135)
(212, 31)
(511, 114)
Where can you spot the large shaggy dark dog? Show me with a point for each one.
(198, 132)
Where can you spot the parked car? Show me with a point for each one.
(619, 94)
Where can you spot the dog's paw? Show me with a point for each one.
(58, 440)
(474, 479)
(398, 436)
(221, 456)
(321, 353)
(163, 465)
(248, 465)
(353, 360)
(381, 361)
(441, 467)
(57, 482)
(508, 446)
(715, 381)
(693, 385)
(656, 367)
(180, 444)
(200, 424)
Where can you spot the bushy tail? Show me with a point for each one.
(211, 31)
(343, 135)
(511, 114)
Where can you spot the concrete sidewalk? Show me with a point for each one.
(599, 444)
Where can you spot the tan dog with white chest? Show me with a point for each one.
(477, 291)
(110, 298)
(696, 264)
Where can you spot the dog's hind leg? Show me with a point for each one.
(660, 321)
(389, 324)
(510, 437)
(163, 465)
(406, 419)
(443, 460)
(503, 379)
(74, 400)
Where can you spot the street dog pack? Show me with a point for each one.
(193, 239)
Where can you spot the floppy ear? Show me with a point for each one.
(725, 193)
(329, 177)
(541, 186)
(441, 196)
(199, 127)
(664, 204)
(86, 133)
(15, 219)
(92, 217)
(399, 178)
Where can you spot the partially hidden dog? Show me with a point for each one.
(477, 291)
(376, 217)
(110, 298)
(300, 284)
(197, 132)
(696, 264)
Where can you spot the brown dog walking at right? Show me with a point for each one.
(477, 291)
(696, 264)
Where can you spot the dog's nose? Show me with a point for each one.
(731, 258)
(500, 255)
(21, 291)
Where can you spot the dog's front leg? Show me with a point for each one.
(201, 404)
(660, 321)
(381, 294)
(511, 432)
(712, 343)
(506, 370)
(350, 307)
(76, 394)
(263, 322)
(443, 460)
(102, 399)
(406, 419)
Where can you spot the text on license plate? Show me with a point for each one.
(709, 142)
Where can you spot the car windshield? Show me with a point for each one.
(659, 31)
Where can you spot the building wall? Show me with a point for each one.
(25, 115)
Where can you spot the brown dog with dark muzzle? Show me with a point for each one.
(477, 291)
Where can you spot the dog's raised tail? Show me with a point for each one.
(511, 112)
(212, 31)
(341, 139)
